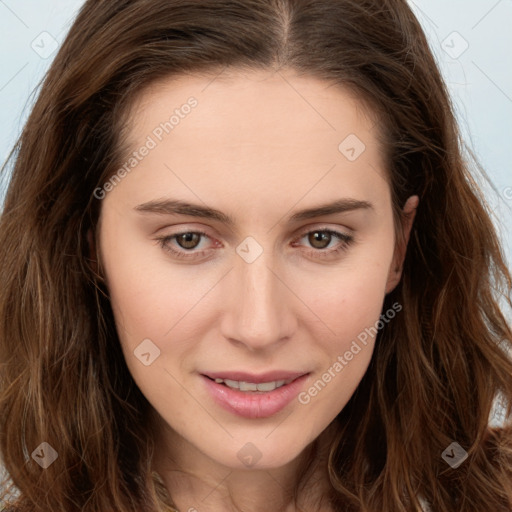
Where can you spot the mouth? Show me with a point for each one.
(253, 387)
(254, 396)
(254, 383)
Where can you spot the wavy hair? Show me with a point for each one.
(436, 369)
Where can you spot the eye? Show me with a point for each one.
(320, 239)
(186, 242)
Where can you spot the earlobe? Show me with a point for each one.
(395, 270)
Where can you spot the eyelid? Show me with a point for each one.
(324, 227)
(298, 233)
(345, 239)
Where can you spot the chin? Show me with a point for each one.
(257, 455)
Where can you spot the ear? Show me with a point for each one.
(395, 270)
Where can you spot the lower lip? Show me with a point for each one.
(254, 404)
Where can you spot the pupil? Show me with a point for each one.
(317, 237)
(188, 239)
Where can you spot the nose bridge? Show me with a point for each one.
(257, 314)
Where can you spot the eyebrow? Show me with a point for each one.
(177, 207)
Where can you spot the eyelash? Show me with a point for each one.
(345, 242)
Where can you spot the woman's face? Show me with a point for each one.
(284, 177)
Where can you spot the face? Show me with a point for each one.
(250, 245)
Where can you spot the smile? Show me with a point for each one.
(253, 399)
(252, 386)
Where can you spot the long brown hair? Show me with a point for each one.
(436, 367)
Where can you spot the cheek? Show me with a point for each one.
(348, 299)
(150, 311)
(161, 307)
(350, 311)
(148, 294)
(348, 304)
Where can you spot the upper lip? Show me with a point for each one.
(271, 376)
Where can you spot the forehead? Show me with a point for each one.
(257, 131)
(273, 107)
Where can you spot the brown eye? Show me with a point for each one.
(184, 245)
(319, 239)
(188, 240)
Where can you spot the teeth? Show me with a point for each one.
(251, 386)
(270, 386)
(247, 386)
(232, 383)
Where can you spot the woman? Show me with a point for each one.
(244, 267)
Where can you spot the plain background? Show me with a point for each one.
(470, 38)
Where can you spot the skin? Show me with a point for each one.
(259, 146)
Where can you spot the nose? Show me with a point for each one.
(258, 311)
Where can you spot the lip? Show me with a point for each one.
(254, 404)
